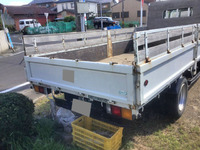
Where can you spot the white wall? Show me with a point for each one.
(69, 5)
(93, 7)
(61, 6)
(3, 42)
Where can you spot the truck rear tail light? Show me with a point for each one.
(39, 89)
(126, 113)
(36, 88)
(116, 110)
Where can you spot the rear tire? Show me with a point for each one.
(178, 99)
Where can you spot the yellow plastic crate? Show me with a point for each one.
(91, 134)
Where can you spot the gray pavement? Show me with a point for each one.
(12, 71)
(31, 94)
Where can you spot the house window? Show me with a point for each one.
(126, 14)
(115, 15)
(105, 6)
(144, 13)
(72, 5)
(178, 13)
(166, 14)
(183, 12)
(173, 13)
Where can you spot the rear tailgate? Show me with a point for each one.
(114, 83)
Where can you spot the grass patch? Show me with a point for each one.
(42, 139)
(129, 145)
(175, 137)
(44, 136)
(141, 134)
(42, 106)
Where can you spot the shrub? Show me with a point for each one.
(131, 25)
(16, 117)
(43, 138)
(45, 128)
(69, 19)
(11, 28)
(91, 18)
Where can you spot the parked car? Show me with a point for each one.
(107, 21)
(28, 23)
(59, 19)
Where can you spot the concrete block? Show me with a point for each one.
(3, 42)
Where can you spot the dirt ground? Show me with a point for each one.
(125, 59)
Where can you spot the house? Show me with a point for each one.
(131, 10)
(65, 8)
(68, 6)
(45, 3)
(65, 13)
(13, 14)
(106, 8)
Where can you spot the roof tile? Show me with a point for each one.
(42, 1)
(28, 10)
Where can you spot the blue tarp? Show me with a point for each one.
(114, 27)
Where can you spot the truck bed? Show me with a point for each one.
(87, 72)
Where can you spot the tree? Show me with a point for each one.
(69, 19)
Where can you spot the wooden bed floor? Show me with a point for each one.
(125, 59)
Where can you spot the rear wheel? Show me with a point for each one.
(182, 98)
(178, 99)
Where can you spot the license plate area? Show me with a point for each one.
(81, 107)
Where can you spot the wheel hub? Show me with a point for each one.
(182, 98)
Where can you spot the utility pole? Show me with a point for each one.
(101, 16)
(77, 19)
(141, 12)
(83, 20)
(46, 15)
(122, 13)
(2, 20)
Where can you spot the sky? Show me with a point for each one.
(15, 2)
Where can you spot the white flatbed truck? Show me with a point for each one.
(166, 59)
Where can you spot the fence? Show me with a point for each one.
(54, 27)
(41, 44)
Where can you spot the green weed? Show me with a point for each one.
(128, 146)
(183, 138)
